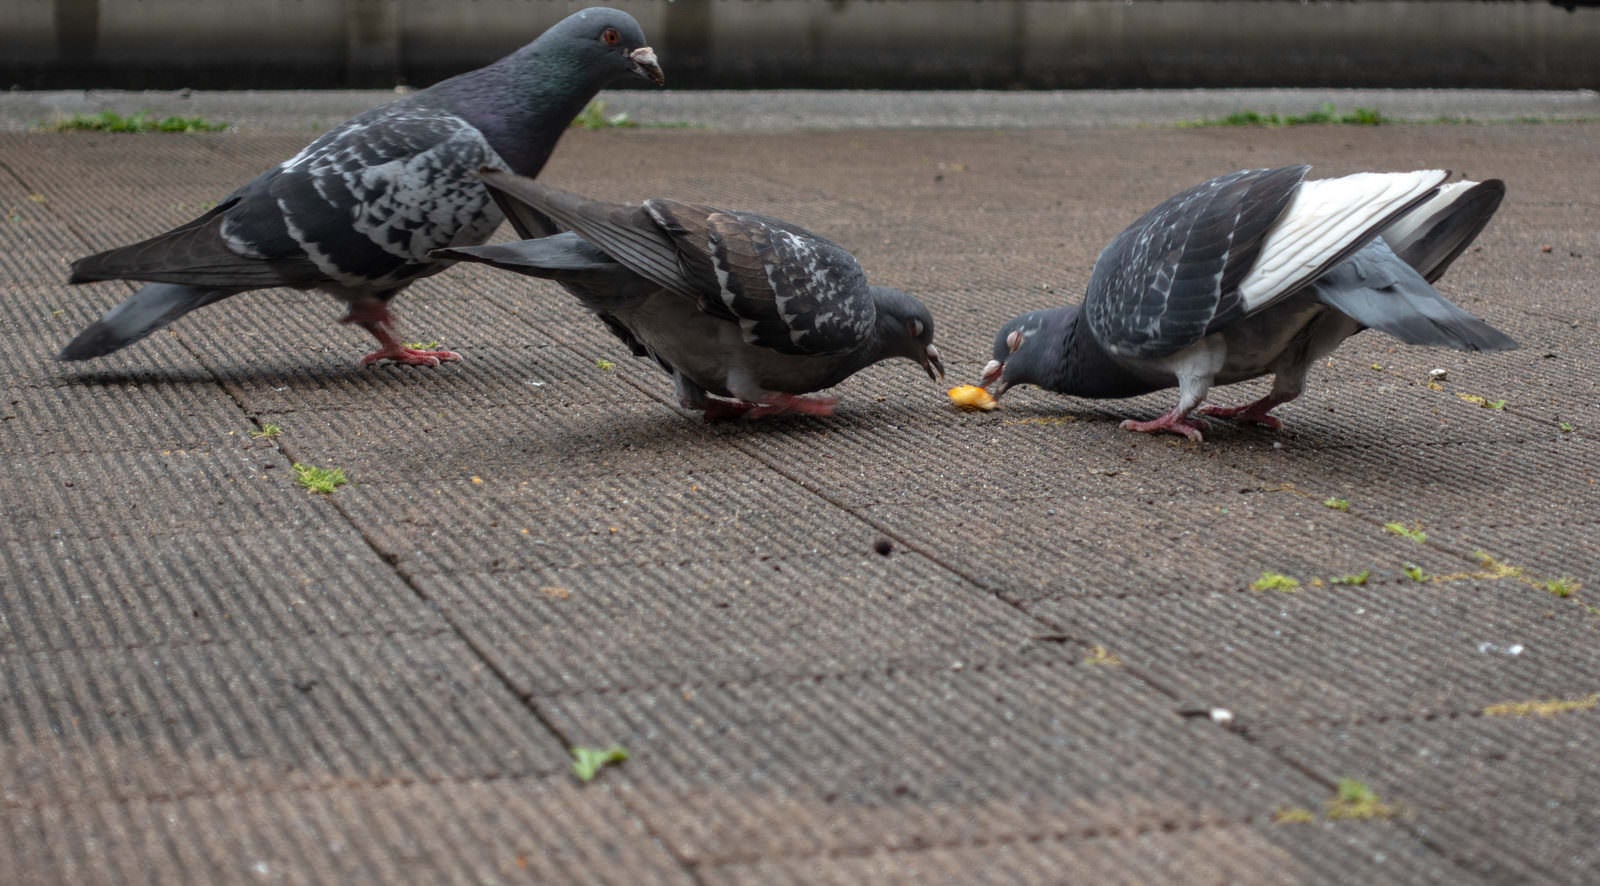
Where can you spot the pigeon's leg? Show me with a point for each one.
(1191, 391)
(718, 409)
(1255, 412)
(1178, 421)
(1289, 372)
(692, 396)
(372, 314)
(779, 404)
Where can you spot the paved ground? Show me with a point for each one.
(211, 674)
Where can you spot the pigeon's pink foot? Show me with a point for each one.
(779, 404)
(1251, 412)
(717, 409)
(1172, 423)
(372, 314)
(410, 356)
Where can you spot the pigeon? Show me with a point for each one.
(745, 312)
(1250, 273)
(357, 212)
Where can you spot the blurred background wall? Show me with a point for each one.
(992, 44)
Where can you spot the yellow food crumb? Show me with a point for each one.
(971, 397)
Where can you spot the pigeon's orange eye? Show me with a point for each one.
(610, 36)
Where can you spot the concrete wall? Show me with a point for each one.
(795, 43)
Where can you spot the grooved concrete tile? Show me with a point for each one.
(674, 515)
(65, 593)
(624, 627)
(1218, 855)
(1384, 650)
(116, 417)
(1543, 551)
(880, 455)
(520, 829)
(38, 319)
(1153, 545)
(912, 758)
(222, 718)
(519, 443)
(1512, 798)
(1448, 485)
(229, 491)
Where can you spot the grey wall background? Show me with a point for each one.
(134, 44)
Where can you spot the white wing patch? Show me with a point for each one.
(1413, 224)
(1322, 219)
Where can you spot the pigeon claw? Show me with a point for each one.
(410, 356)
(770, 404)
(782, 404)
(1256, 412)
(1171, 423)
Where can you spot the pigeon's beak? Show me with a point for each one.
(645, 65)
(930, 361)
(991, 374)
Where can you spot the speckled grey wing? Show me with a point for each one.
(1173, 276)
(788, 289)
(369, 200)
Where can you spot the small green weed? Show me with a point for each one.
(1561, 587)
(1407, 532)
(1414, 572)
(1325, 115)
(1293, 815)
(267, 432)
(605, 365)
(323, 480)
(594, 116)
(1355, 800)
(1275, 581)
(1337, 504)
(587, 762)
(1542, 708)
(1359, 578)
(420, 345)
(1566, 427)
(111, 121)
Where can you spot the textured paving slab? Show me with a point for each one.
(1511, 796)
(212, 674)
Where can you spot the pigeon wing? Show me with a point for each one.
(369, 200)
(788, 289)
(1173, 276)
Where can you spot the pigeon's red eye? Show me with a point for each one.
(610, 36)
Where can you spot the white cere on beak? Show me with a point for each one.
(1014, 340)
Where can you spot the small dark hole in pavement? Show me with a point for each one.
(883, 546)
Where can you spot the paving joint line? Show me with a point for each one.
(915, 844)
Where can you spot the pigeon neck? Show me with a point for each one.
(1088, 371)
(522, 104)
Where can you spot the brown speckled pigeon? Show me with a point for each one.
(746, 312)
(1252, 273)
(356, 213)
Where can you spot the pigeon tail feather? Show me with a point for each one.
(1379, 290)
(1434, 234)
(194, 254)
(555, 258)
(626, 233)
(142, 313)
